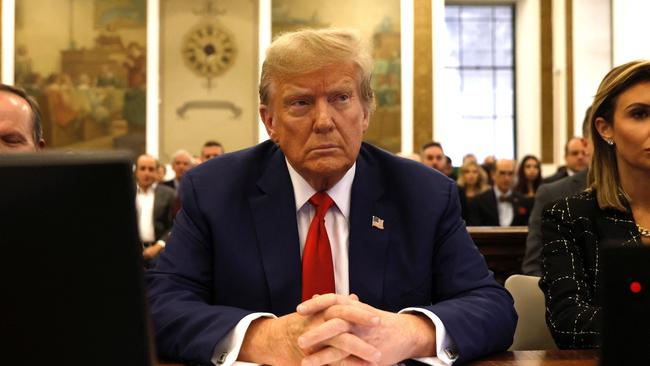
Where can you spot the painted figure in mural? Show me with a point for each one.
(135, 96)
(59, 90)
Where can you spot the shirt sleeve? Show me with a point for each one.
(446, 352)
(226, 352)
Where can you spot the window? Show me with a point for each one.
(479, 81)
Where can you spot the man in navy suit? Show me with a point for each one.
(406, 279)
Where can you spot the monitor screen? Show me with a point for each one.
(71, 272)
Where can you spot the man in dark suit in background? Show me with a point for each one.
(501, 205)
(154, 208)
(181, 163)
(576, 157)
(20, 121)
(378, 237)
(434, 156)
(211, 149)
(547, 193)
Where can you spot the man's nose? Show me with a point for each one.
(323, 115)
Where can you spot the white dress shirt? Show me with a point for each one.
(337, 225)
(144, 206)
(506, 210)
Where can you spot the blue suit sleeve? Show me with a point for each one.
(187, 325)
(477, 312)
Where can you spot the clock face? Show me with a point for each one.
(209, 50)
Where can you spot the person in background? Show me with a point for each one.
(316, 211)
(614, 211)
(488, 166)
(182, 161)
(469, 157)
(576, 157)
(154, 209)
(433, 156)
(529, 176)
(547, 193)
(473, 179)
(501, 205)
(448, 169)
(20, 121)
(161, 172)
(210, 150)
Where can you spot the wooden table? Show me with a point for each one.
(503, 248)
(527, 358)
(541, 358)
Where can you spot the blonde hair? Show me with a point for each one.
(603, 173)
(308, 50)
(482, 180)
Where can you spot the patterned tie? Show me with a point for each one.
(317, 267)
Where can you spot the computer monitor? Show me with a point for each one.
(71, 271)
(625, 283)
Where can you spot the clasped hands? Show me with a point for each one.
(338, 330)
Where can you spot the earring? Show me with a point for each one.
(610, 142)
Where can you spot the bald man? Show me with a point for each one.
(501, 205)
(20, 121)
(154, 203)
(181, 163)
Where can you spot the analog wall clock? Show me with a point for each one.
(209, 49)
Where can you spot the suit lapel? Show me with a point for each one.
(494, 207)
(156, 203)
(274, 218)
(368, 244)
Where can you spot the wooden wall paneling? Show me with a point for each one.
(568, 8)
(422, 74)
(546, 32)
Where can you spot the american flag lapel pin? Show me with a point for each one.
(377, 223)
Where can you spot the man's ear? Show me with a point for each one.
(366, 119)
(267, 118)
(604, 129)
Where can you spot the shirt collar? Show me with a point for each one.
(498, 193)
(340, 192)
(151, 188)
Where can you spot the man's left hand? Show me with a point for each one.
(151, 251)
(398, 336)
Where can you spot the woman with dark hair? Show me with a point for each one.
(614, 211)
(529, 176)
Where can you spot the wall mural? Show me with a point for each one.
(87, 71)
(120, 13)
(379, 23)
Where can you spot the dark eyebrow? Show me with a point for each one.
(637, 105)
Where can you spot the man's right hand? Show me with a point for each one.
(275, 341)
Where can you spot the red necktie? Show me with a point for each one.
(317, 267)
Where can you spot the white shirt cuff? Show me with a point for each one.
(446, 352)
(226, 352)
